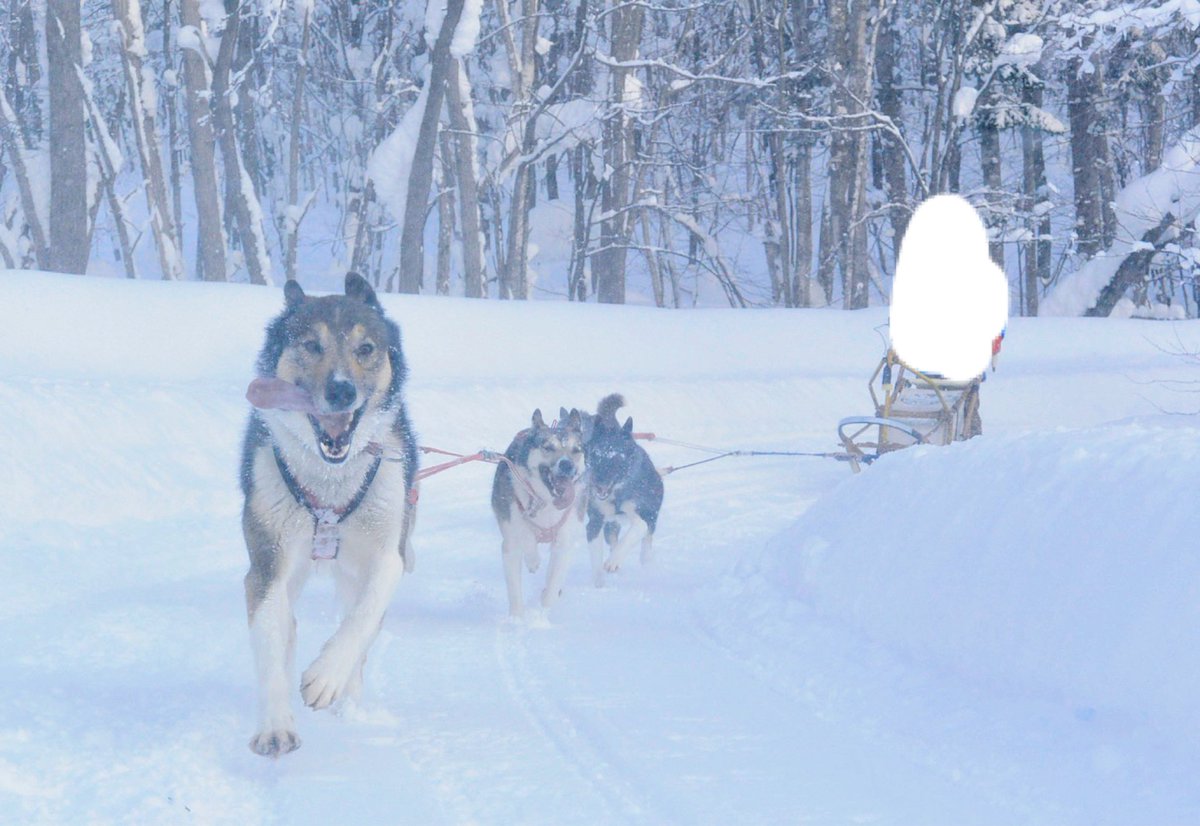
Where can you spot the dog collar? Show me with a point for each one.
(326, 519)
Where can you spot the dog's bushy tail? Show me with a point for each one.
(606, 411)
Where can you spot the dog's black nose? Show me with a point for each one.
(566, 467)
(340, 394)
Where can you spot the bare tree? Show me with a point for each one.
(420, 177)
(465, 175)
(133, 51)
(617, 187)
(240, 197)
(69, 225)
(210, 241)
(852, 28)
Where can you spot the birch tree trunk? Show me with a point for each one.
(210, 240)
(522, 60)
(133, 49)
(853, 68)
(457, 108)
(239, 188)
(68, 236)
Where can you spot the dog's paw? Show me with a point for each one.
(274, 743)
(612, 566)
(325, 682)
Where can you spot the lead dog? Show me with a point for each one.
(625, 491)
(316, 486)
(538, 498)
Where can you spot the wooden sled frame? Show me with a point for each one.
(911, 407)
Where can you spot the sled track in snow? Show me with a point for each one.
(586, 755)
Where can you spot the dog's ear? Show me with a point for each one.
(628, 428)
(293, 293)
(538, 422)
(563, 414)
(357, 287)
(587, 426)
(572, 419)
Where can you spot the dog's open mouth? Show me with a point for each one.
(334, 432)
(562, 488)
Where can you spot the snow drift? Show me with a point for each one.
(1060, 564)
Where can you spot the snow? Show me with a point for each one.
(466, 33)
(1002, 631)
(1022, 49)
(964, 101)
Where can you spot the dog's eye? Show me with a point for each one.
(313, 347)
(364, 350)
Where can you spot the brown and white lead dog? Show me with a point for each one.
(327, 466)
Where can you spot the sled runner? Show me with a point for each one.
(911, 408)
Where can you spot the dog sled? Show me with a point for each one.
(911, 408)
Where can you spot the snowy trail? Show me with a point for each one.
(703, 688)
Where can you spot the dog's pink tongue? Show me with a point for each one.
(277, 394)
(335, 424)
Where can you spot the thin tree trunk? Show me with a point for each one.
(1037, 249)
(989, 156)
(68, 237)
(608, 264)
(240, 195)
(29, 204)
(24, 72)
(1082, 94)
(133, 46)
(420, 176)
(169, 99)
(292, 221)
(848, 158)
(468, 188)
(890, 104)
(445, 200)
(210, 241)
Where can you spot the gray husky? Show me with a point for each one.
(538, 498)
(625, 491)
(328, 465)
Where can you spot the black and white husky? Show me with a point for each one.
(539, 498)
(327, 469)
(625, 491)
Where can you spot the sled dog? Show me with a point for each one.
(538, 497)
(625, 491)
(327, 466)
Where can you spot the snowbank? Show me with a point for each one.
(1059, 564)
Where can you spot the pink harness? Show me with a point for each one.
(546, 534)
